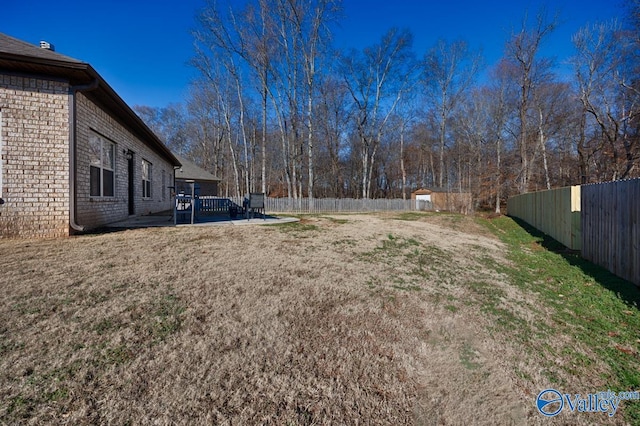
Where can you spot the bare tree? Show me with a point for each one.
(169, 123)
(523, 50)
(605, 75)
(499, 95)
(258, 50)
(206, 129)
(220, 49)
(376, 79)
(285, 92)
(333, 121)
(309, 19)
(551, 106)
(407, 113)
(449, 71)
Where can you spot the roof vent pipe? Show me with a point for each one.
(46, 45)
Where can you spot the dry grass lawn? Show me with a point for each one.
(345, 319)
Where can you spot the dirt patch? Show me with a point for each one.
(343, 319)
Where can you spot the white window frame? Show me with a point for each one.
(147, 179)
(102, 166)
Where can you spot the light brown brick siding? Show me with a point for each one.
(97, 211)
(35, 157)
(35, 131)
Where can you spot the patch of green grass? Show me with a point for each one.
(407, 287)
(523, 374)
(335, 220)
(167, 316)
(8, 345)
(21, 407)
(345, 242)
(42, 388)
(411, 216)
(373, 283)
(409, 259)
(589, 306)
(296, 227)
(451, 308)
(56, 395)
(491, 300)
(389, 248)
(395, 245)
(117, 355)
(105, 325)
(429, 259)
(26, 308)
(469, 357)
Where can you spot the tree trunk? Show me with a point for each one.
(443, 126)
(402, 168)
(498, 175)
(543, 147)
(263, 144)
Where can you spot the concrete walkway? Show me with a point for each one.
(217, 220)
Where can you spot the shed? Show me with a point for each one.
(422, 198)
(442, 200)
(206, 184)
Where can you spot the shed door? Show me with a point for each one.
(420, 201)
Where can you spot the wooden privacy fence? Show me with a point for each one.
(213, 205)
(332, 205)
(555, 212)
(610, 227)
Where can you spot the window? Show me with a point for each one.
(164, 186)
(102, 153)
(146, 179)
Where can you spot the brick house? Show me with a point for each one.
(74, 155)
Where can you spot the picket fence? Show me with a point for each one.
(317, 205)
(333, 205)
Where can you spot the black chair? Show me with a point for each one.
(255, 204)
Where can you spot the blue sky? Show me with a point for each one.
(141, 47)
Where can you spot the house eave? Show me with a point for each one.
(79, 73)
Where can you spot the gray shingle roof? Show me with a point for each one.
(17, 47)
(190, 171)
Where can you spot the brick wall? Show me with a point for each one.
(35, 157)
(97, 211)
(34, 137)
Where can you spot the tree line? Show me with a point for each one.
(277, 109)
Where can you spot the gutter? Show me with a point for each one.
(73, 172)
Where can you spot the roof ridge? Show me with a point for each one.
(16, 46)
(190, 170)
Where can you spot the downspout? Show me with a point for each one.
(173, 196)
(73, 172)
